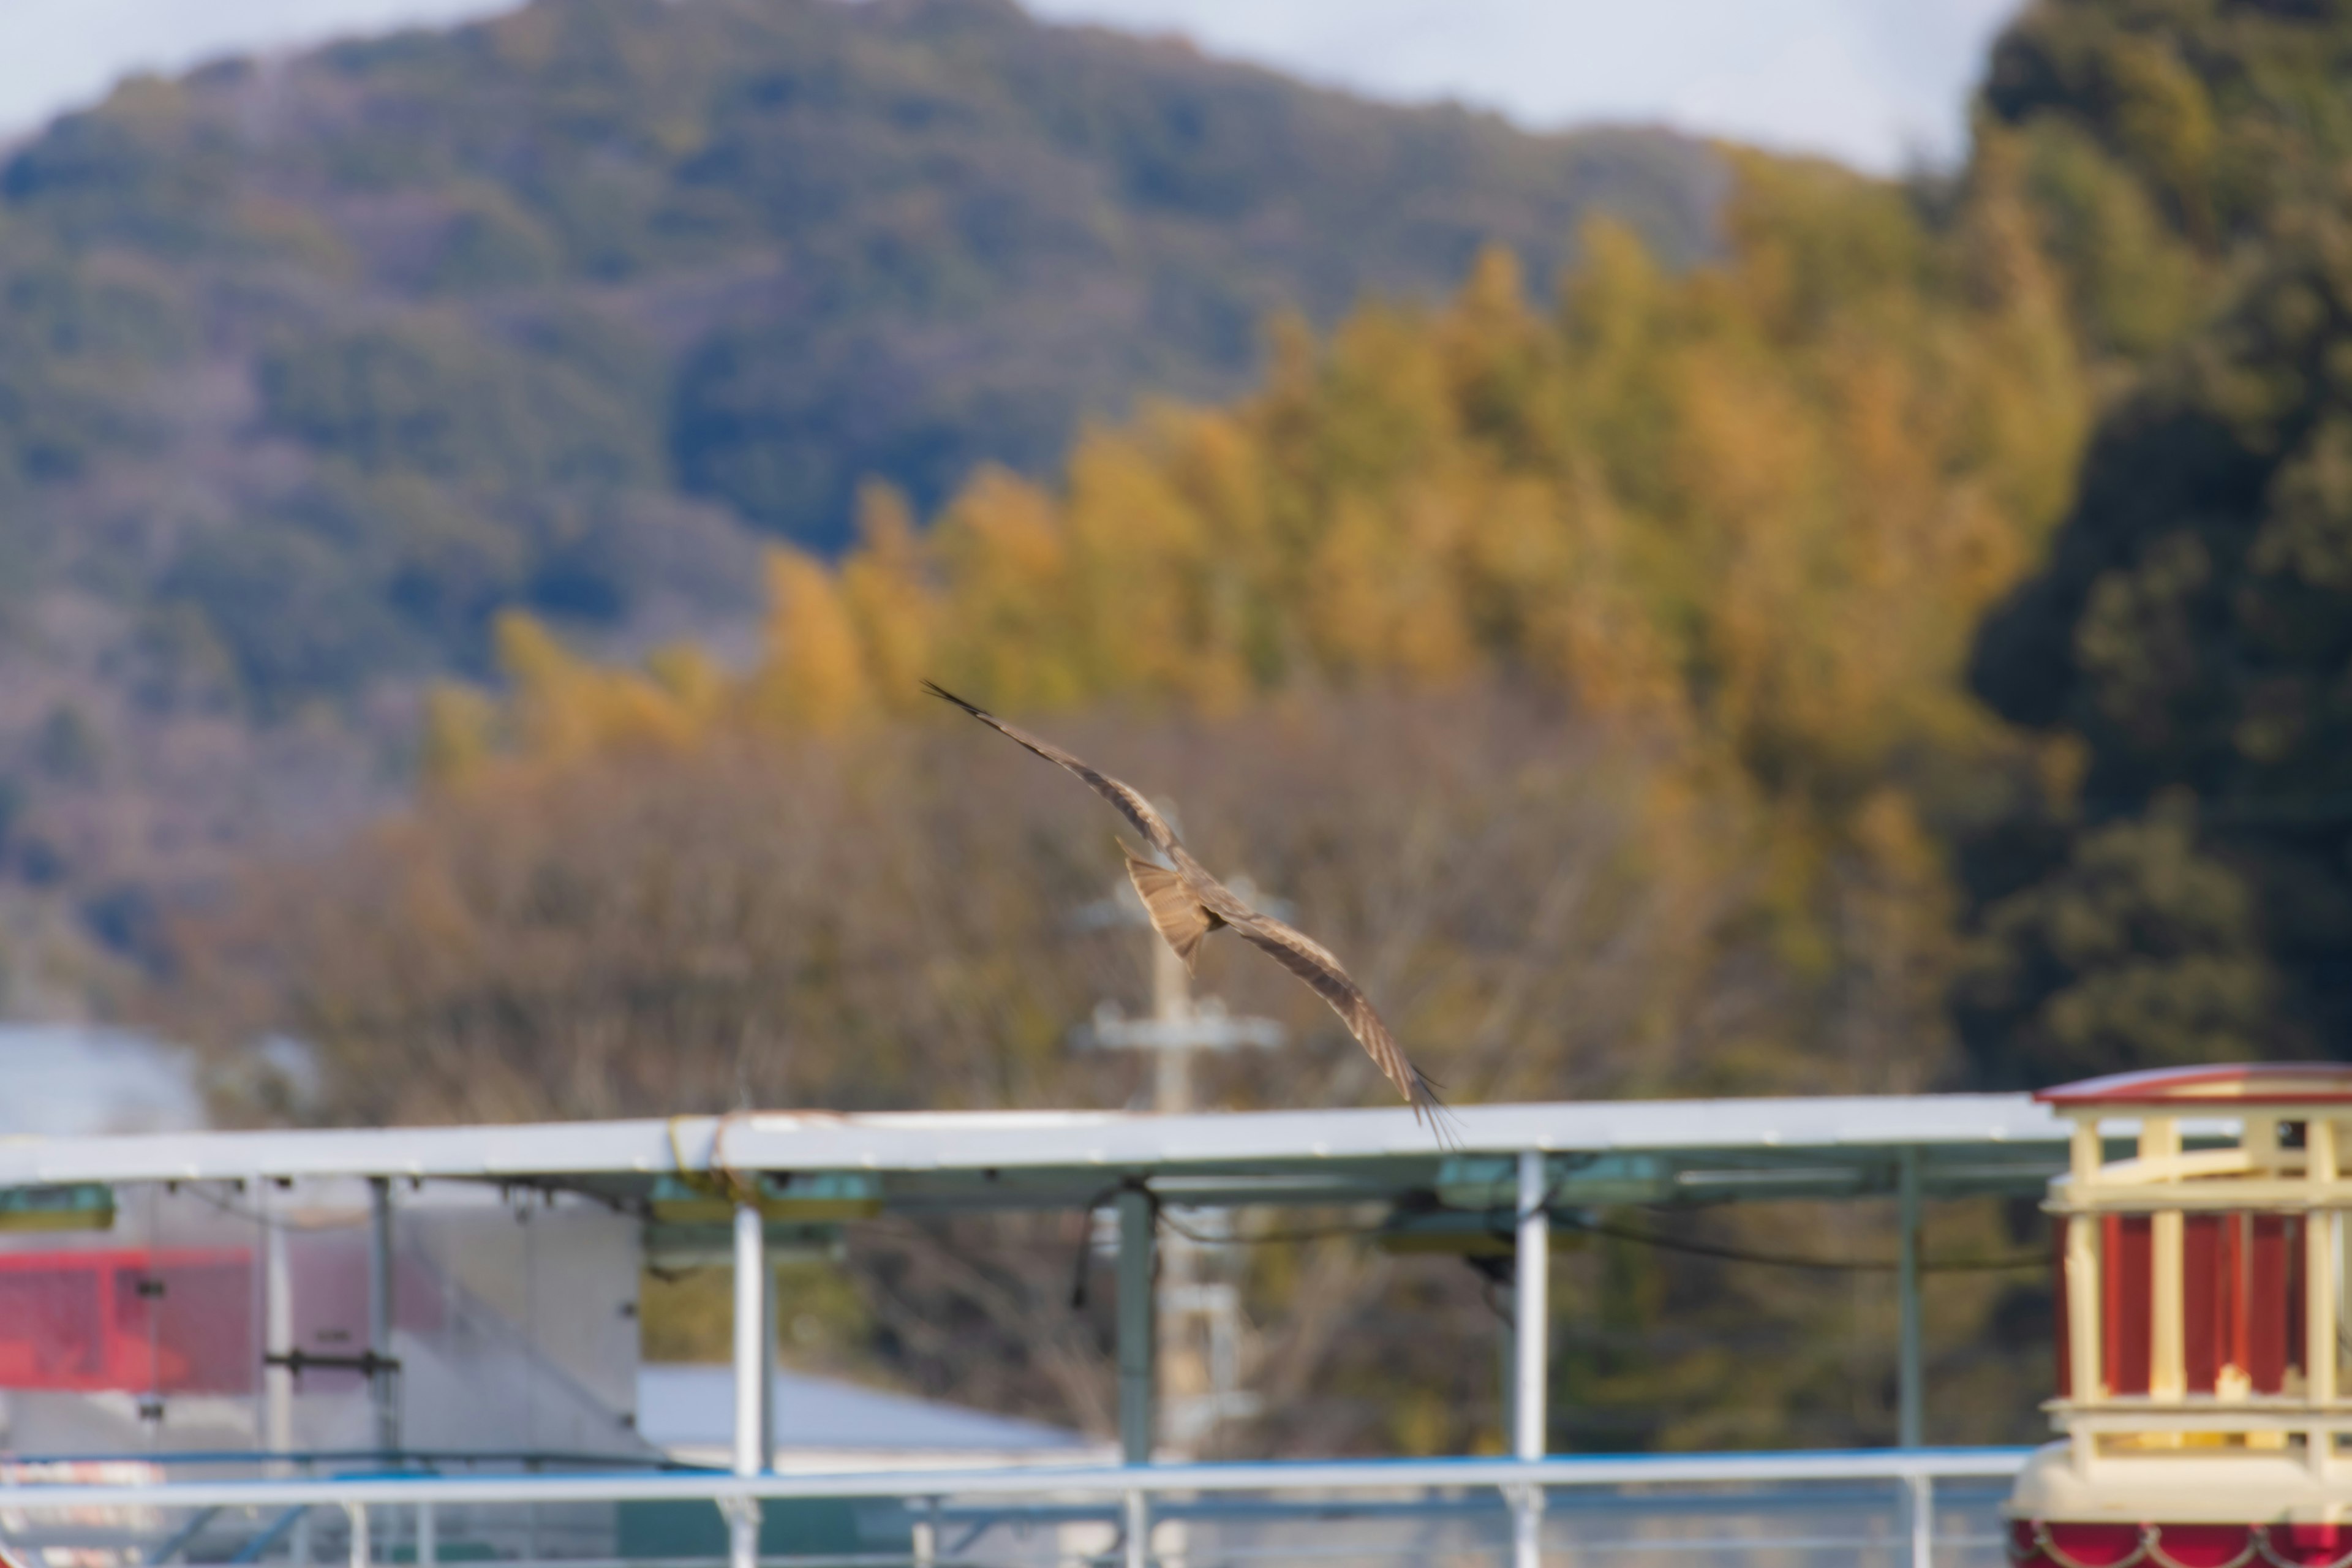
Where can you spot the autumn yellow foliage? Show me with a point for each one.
(1755, 508)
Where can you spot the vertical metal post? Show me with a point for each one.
(1138, 1326)
(1139, 1345)
(1506, 1365)
(382, 1391)
(358, 1515)
(926, 1534)
(277, 1327)
(1531, 1312)
(1139, 1531)
(770, 1333)
(277, 1343)
(1910, 1367)
(751, 1323)
(428, 1536)
(1921, 1492)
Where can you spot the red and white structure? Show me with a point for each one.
(2202, 1325)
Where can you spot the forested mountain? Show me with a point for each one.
(309, 366)
(453, 319)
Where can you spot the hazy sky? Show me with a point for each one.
(1879, 83)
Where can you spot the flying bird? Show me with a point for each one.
(1186, 904)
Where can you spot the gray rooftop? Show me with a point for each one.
(687, 1406)
(1696, 1150)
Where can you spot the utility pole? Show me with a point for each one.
(1200, 1319)
(1172, 1009)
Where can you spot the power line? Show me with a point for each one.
(1650, 1238)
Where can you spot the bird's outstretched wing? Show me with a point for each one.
(1130, 804)
(1312, 962)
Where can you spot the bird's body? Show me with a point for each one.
(1186, 903)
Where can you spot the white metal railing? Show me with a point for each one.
(1890, 1464)
(1520, 1483)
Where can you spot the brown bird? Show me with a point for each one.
(1186, 904)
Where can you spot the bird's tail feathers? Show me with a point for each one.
(1175, 913)
(1429, 1108)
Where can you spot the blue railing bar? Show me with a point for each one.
(1860, 1496)
(373, 1456)
(1308, 1475)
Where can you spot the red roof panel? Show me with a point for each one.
(2268, 1083)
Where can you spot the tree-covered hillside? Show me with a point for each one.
(311, 366)
(460, 318)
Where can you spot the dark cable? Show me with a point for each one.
(1648, 1238)
(1796, 1260)
(1087, 1233)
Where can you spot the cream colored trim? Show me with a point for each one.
(2199, 1416)
(2267, 1195)
(2083, 1303)
(2085, 1152)
(2258, 1137)
(2197, 1164)
(2167, 1361)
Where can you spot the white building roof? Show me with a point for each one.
(689, 1410)
(1710, 1148)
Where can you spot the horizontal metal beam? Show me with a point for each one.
(1323, 1475)
(975, 1144)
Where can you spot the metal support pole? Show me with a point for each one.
(926, 1534)
(1507, 1360)
(1138, 1326)
(1138, 1348)
(771, 1334)
(382, 1391)
(428, 1536)
(277, 1340)
(751, 1323)
(1910, 1368)
(1532, 1309)
(277, 1331)
(1922, 1492)
(357, 1513)
(1139, 1531)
